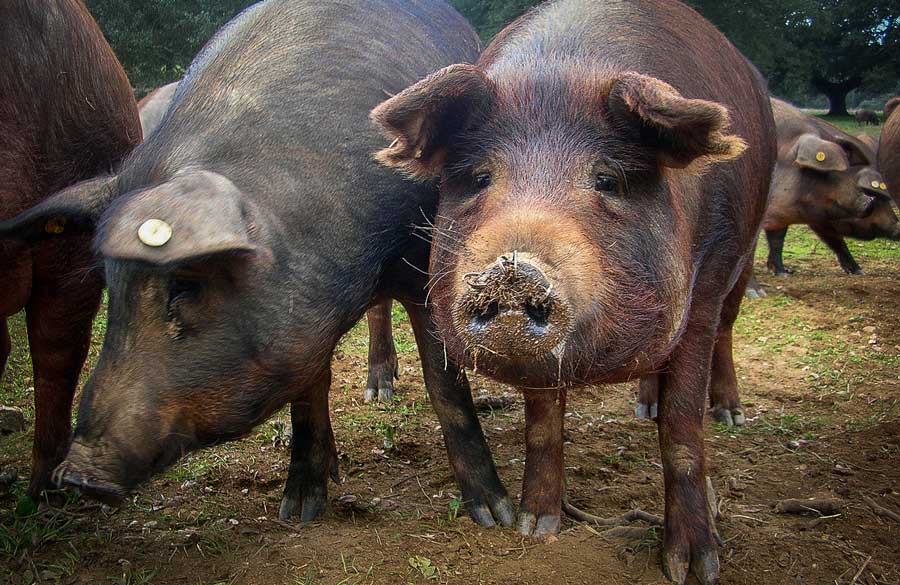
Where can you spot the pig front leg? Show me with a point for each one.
(542, 487)
(59, 316)
(690, 542)
(839, 247)
(383, 368)
(775, 263)
(313, 455)
(482, 491)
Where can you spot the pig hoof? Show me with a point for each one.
(308, 508)
(289, 505)
(538, 526)
(677, 563)
(384, 392)
(754, 293)
(729, 417)
(488, 514)
(646, 411)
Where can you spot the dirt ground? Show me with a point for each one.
(818, 363)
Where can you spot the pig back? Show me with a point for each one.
(889, 154)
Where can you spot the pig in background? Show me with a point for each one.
(596, 224)
(867, 117)
(248, 233)
(826, 179)
(55, 130)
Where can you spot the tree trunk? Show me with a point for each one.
(836, 92)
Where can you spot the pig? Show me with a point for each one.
(248, 233)
(153, 106)
(868, 141)
(66, 114)
(889, 150)
(603, 169)
(823, 175)
(867, 117)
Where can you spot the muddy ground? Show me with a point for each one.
(818, 363)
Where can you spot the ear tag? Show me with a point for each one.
(820, 156)
(875, 184)
(882, 186)
(55, 225)
(154, 233)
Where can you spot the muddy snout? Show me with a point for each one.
(79, 472)
(513, 308)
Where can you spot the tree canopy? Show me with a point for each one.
(809, 50)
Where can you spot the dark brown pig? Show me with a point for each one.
(249, 232)
(823, 175)
(889, 150)
(596, 224)
(154, 105)
(66, 114)
(867, 117)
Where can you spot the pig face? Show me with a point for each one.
(830, 180)
(562, 246)
(184, 363)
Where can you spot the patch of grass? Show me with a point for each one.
(849, 125)
(882, 411)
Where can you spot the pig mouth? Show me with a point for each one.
(99, 489)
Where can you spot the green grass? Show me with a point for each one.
(848, 124)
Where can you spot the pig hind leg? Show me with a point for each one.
(647, 397)
(775, 263)
(59, 317)
(383, 369)
(486, 500)
(313, 455)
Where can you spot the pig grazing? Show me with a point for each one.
(66, 114)
(889, 150)
(866, 117)
(596, 224)
(823, 176)
(153, 107)
(248, 233)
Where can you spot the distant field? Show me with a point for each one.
(848, 124)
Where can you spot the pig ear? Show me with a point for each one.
(424, 119)
(811, 152)
(73, 210)
(683, 130)
(192, 216)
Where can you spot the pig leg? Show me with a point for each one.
(690, 542)
(313, 455)
(382, 355)
(5, 346)
(470, 458)
(840, 249)
(723, 388)
(59, 333)
(542, 486)
(776, 250)
(648, 397)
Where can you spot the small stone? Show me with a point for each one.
(150, 525)
(869, 329)
(12, 420)
(188, 484)
(245, 491)
(843, 470)
(233, 521)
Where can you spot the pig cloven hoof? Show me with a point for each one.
(646, 411)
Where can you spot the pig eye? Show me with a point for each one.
(482, 181)
(606, 184)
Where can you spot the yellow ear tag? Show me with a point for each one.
(55, 225)
(875, 184)
(154, 233)
(820, 156)
(883, 186)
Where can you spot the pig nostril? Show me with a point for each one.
(539, 314)
(485, 315)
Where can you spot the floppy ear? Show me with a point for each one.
(811, 152)
(683, 130)
(871, 181)
(73, 210)
(194, 215)
(424, 119)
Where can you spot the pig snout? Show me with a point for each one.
(83, 469)
(512, 307)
